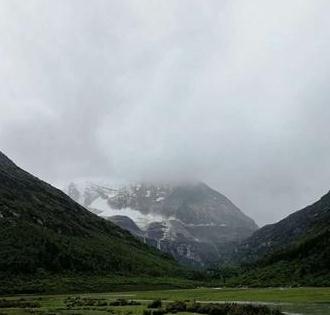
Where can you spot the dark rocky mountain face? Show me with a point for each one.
(41, 228)
(128, 224)
(192, 222)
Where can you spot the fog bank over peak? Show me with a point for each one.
(231, 93)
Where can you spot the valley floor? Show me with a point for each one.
(306, 301)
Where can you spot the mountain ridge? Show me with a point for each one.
(191, 221)
(43, 229)
(293, 251)
(292, 228)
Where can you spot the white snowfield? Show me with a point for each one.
(142, 220)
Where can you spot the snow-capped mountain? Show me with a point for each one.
(193, 222)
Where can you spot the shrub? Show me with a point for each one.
(176, 307)
(155, 304)
(20, 303)
(123, 302)
(158, 312)
(154, 312)
(221, 309)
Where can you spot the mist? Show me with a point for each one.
(232, 93)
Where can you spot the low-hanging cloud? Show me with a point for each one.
(234, 93)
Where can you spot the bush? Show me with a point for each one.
(123, 302)
(77, 301)
(221, 309)
(20, 303)
(155, 304)
(158, 312)
(176, 307)
(154, 312)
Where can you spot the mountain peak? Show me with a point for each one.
(180, 218)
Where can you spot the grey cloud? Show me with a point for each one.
(234, 93)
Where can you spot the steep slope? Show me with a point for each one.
(43, 229)
(297, 227)
(295, 250)
(192, 222)
(127, 224)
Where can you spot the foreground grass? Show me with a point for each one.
(56, 304)
(96, 305)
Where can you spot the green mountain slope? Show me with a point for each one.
(294, 251)
(43, 230)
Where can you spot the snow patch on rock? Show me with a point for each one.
(142, 220)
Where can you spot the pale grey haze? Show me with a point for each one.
(233, 93)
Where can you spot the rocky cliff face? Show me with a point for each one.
(192, 222)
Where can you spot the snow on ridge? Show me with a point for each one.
(204, 224)
(142, 220)
(100, 204)
(87, 183)
(101, 190)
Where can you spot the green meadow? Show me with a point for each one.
(309, 301)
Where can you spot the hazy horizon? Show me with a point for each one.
(231, 93)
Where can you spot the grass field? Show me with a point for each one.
(291, 295)
(309, 301)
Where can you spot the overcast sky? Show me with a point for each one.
(233, 93)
